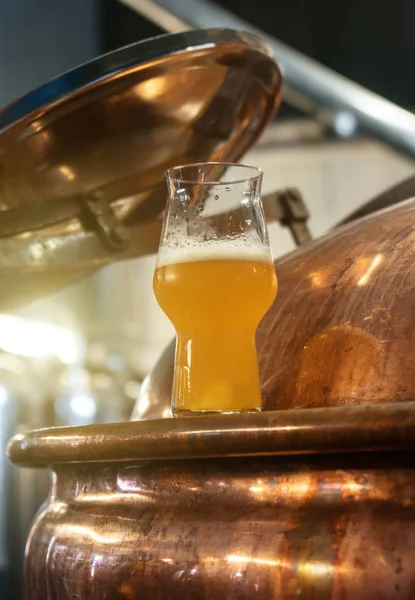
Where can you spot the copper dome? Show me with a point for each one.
(342, 328)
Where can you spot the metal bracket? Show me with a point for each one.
(98, 215)
(287, 206)
(91, 209)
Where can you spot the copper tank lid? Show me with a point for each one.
(82, 158)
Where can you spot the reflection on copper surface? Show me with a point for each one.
(353, 487)
(257, 489)
(59, 507)
(37, 251)
(151, 88)
(341, 331)
(375, 263)
(330, 526)
(319, 278)
(297, 486)
(67, 172)
(235, 558)
(316, 569)
(68, 529)
(36, 126)
(113, 498)
(114, 125)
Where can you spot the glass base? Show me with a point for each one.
(207, 413)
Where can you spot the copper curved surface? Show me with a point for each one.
(328, 527)
(116, 123)
(338, 525)
(121, 523)
(342, 328)
(110, 128)
(336, 429)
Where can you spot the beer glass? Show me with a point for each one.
(215, 280)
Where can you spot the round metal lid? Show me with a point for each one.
(82, 158)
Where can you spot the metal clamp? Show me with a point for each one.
(287, 206)
(98, 215)
(91, 209)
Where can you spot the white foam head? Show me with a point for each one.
(218, 250)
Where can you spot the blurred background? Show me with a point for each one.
(80, 356)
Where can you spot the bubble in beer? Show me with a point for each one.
(225, 249)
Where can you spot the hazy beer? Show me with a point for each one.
(215, 297)
(215, 280)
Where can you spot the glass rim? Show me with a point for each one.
(169, 173)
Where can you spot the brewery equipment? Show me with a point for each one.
(81, 171)
(87, 151)
(339, 103)
(315, 500)
(340, 331)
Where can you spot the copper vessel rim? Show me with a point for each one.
(305, 431)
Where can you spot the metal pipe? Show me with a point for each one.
(344, 105)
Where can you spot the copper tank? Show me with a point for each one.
(341, 330)
(317, 504)
(315, 501)
(82, 158)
